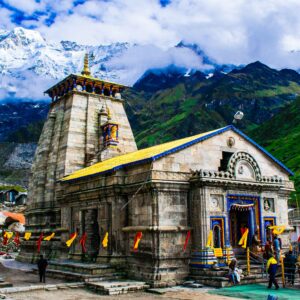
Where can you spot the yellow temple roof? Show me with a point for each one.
(156, 152)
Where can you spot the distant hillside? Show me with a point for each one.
(169, 104)
(199, 102)
(281, 136)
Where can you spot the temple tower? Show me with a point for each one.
(86, 123)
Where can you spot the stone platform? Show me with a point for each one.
(117, 287)
(87, 272)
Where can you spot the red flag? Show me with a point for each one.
(82, 242)
(17, 239)
(39, 242)
(5, 240)
(188, 235)
(137, 239)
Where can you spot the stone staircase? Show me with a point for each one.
(85, 272)
(217, 277)
(117, 287)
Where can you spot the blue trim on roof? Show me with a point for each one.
(188, 144)
(263, 150)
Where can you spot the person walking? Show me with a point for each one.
(271, 269)
(290, 267)
(42, 266)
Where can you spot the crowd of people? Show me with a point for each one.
(272, 252)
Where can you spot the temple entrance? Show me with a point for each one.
(243, 212)
(239, 221)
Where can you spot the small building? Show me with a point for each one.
(8, 195)
(21, 199)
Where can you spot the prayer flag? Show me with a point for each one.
(49, 237)
(209, 243)
(5, 240)
(82, 242)
(244, 238)
(27, 236)
(39, 242)
(17, 239)
(186, 240)
(71, 240)
(8, 234)
(105, 240)
(137, 240)
(277, 229)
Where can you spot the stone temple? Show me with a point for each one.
(88, 176)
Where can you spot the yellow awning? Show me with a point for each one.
(141, 156)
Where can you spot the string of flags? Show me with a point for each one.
(82, 241)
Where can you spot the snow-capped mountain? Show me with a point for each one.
(29, 64)
(26, 50)
(26, 55)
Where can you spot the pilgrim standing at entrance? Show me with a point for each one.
(42, 266)
(290, 267)
(271, 269)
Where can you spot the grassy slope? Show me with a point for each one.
(281, 136)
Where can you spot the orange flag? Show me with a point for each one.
(244, 238)
(105, 240)
(137, 240)
(71, 240)
(27, 236)
(49, 237)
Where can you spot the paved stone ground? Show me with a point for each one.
(21, 276)
(80, 294)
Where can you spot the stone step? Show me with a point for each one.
(82, 268)
(117, 287)
(71, 276)
(223, 281)
(5, 284)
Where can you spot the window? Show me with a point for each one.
(224, 161)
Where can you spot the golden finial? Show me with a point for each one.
(86, 70)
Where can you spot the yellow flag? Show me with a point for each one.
(209, 243)
(8, 234)
(27, 236)
(244, 238)
(71, 240)
(105, 240)
(277, 229)
(49, 237)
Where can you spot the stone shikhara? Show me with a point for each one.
(214, 182)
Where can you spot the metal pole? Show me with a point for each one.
(248, 260)
(282, 269)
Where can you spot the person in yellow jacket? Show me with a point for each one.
(271, 269)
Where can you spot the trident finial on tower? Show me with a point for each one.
(86, 71)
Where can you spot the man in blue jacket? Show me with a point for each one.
(271, 269)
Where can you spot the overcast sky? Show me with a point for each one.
(230, 31)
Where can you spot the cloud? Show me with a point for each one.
(230, 31)
(136, 60)
(23, 87)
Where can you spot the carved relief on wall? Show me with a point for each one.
(244, 170)
(244, 166)
(216, 202)
(269, 204)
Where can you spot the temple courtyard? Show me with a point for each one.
(25, 285)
